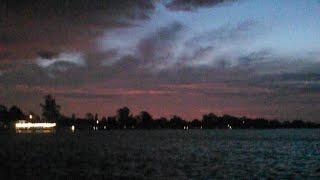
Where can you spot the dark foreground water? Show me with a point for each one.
(176, 154)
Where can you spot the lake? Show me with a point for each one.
(179, 154)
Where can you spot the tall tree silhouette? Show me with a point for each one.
(145, 120)
(15, 114)
(90, 116)
(4, 114)
(50, 110)
(123, 116)
(196, 123)
(210, 120)
(177, 122)
(161, 123)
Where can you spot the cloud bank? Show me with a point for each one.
(151, 55)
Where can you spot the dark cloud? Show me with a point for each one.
(74, 95)
(228, 33)
(6, 37)
(157, 48)
(296, 77)
(208, 48)
(38, 9)
(289, 79)
(36, 36)
(195, 54)
(64, 25)
(54, 44)
(256, 57)
(5, 55)
(228, 85)
(63, 71)
(154, 51)
(29, 74)
(189, 5)
(47, 54)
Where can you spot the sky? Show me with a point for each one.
(251, 58)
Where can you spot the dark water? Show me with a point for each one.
(198, 154)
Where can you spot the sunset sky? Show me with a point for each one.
(252, 58)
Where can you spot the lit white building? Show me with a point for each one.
(25, 126)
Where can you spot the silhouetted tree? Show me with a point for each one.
(51, 113)
(261, 123)
(112, 123)
(65, 121)
(132, 122)
(161, 123)
(103, 122)
(210, 121)
(274, 124)
(145, 120)
(4, 116)
(244, 122)
(50, 110)
(3, 108)
(232, 121)
(96, 117)
(196, 124)
(286, 124)
(177, 122)
(90, 117)
(123, 117)
(15, 114)
(73, 116)
(298, 124)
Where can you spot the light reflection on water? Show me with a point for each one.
(199, 154)
(36, 131)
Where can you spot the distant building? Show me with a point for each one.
(25, 126)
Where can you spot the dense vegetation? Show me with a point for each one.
(144, 120)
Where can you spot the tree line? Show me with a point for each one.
(124, 119)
